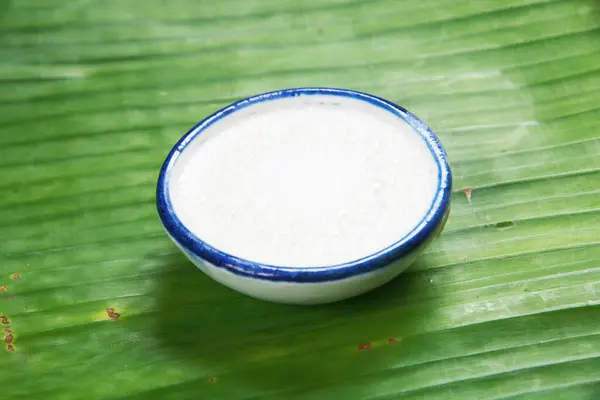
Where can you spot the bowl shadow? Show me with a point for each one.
(276, 347)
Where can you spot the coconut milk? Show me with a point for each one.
(312, 180)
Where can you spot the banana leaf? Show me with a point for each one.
(97, 303)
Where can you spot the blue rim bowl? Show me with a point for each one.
(195, 246)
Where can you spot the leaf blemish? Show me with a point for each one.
(16, 276)
(365, 346)
(4, 320)
(8, 338)
(3, 288)
(504, 224)
(468, 192)
(10, 348)
(392, 341)
(111, 313)
(212, 379)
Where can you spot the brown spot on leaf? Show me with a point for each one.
(392, 341)
(212, 379)
(111, 313)
(10, 348)
(365, 346)
(3, 288)
(7, 330)
(16, 276)
(4, 320)
(8, 338)
(468, 192)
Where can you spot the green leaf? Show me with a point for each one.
(505, 304)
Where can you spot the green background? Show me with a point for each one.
(505, 304)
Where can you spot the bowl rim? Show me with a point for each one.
(197, 248)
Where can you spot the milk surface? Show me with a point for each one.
(305, 181)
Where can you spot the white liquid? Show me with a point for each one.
(305, 181)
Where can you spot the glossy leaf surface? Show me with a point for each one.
(505, 304)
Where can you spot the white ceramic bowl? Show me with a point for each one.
(308, 285)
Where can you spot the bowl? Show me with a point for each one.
(331, 277)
